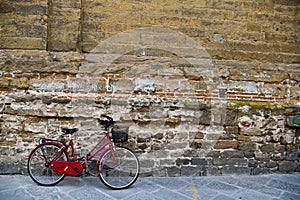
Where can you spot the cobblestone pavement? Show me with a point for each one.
(274, 186)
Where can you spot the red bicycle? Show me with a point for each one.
(117, 167)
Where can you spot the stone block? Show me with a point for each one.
(183, 161)
(214, 154)
(287, 139)
(64, 27)
(199, 161)
(62, 40)
(166, 162)
(196, 144)
(156, 147)
(227, 170)
(287, 166)
(298, 167)
(23, 43)
(147, 163)
(232, 154)
(257, 75)
(293, 121)
(196, 135)
(195, 105)
(50, 86)
(231, 117)
(271, 164)
(25, 25)
(121, 84)
(205, 119)
(230, 161)
(10, 165)
(252, 163)
(226, 144)
(259, 171)
(190, 153)
(276, 37)
(263, 157)
(214, 171)
(247, 146)
(4, 82)
(173, 171)
(292, 155)
(295, 76)
(190, 171)
(234, 130)
(267, 148)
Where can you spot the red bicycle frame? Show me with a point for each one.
(74, 166)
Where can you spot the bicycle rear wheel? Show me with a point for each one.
(38, 165)
(119, 169)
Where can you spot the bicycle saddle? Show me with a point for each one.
(69, 130)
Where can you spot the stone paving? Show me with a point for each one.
(273, 186)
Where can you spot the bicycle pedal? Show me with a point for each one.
(85, 174)
(80, 174)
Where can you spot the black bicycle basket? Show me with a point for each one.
(120, 134)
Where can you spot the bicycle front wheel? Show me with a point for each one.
(38, 165)
(119, 169)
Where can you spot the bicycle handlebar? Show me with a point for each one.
(108, 117)
(107, 123)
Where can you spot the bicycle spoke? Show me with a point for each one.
(39, 168)
(119, 171)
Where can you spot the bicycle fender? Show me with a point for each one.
(54, 143)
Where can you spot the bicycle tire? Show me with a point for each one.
(38, 164)
(121, 172)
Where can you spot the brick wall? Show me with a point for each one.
(206, 87)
